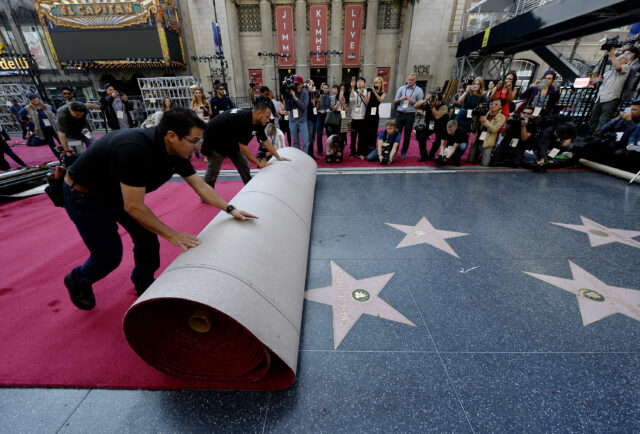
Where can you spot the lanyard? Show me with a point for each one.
(407, 88)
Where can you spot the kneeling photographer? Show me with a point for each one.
(554, 149)
(436, 116)
(387, 147)
(520, 134)
(453, 145)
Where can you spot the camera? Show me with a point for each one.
(481, 110)
(335, 147)
(611, 43)
(288, 85)
(101, 93)
(386, 152)
(252, 84)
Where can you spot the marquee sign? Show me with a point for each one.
(96, 15)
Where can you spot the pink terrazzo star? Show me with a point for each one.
(599, 235)
(350, 298)
(425, 233)
(596, 299)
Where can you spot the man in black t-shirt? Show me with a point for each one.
(264, 97)
(452, 145)
(229, 134)
(106, 186)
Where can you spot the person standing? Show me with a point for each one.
(44, 121)
(377, 94)
(229, 134)
(359, 98)
(220, 102)
(312, 115)
(265, 96)
(542, 96)
(611, 87)
(324, 108)
(122, 108)
(507, 90)
(406, 97)
(296, 104)
(470, 99)
(73, 125)
(107, 186)
(69, 97)
(15, 117)
(284, 119)
(436, 118)
(200, 105)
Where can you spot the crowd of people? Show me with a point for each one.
(496, 122)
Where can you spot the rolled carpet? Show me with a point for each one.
(228, 312)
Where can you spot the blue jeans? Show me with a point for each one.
(311, 128)
(97, 224)
(300, 127)
(455, 158)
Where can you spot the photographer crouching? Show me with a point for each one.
(520, 135)
(387, 147)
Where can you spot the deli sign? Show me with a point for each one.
(13, 63)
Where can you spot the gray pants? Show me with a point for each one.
(601, 113)
(215, 162)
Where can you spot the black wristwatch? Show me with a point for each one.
(230, 209)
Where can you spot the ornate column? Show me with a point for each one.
(266, 14)
(239, 77)
(302, 40)
(334, 73)
(369, 65)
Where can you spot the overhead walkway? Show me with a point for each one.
(514, 26)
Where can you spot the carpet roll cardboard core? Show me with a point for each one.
(227, 313)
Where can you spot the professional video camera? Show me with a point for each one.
(481, 110)
(335, 146)
(288, 85)
(252, 84)
(386, 152)
(611, 43)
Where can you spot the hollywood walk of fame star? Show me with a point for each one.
(596, 299)
(599, 235)
(350, 298)
(425, 233)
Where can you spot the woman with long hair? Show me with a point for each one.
(507, 90)
(376, 96)
(342, 105)
(200, 105)
(542, 95)
(166, 105)
(284, 119)
(469, 100)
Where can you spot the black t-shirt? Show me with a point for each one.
(459, 136)
(225, 131)
(136, 157)
(71, 126)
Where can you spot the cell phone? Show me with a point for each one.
(341, 94)
(627, 110)
(474, 87)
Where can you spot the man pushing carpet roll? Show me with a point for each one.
(106, 186)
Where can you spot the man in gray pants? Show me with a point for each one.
(229, 134)
(613, 83)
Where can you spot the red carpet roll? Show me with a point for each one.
(228, 312)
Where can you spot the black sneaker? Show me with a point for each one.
(141, 287)
(81, 294)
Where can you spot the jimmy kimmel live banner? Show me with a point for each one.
(318, 19)
(352, 33)
(284, 33)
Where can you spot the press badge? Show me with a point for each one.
(343, 114)
(120, 115)
(87, 134)
(405, 104)
(432, 125)
(483, 135)
(553, 153)
(221, 111)
(152, 100)
(271, 116)
(46, 122)
(286, 117)
(295, 113)
(536, 111)
(457, 111)
(357, 109)
(469, 114)
(374, 110)
(619, 136)
(315, 111)
(514, 142)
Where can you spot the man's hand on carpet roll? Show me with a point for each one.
(242, 215)
(184, 240)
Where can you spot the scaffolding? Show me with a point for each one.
(9, 92)
(155, 90)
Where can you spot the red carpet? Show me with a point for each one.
(39, 154)
(44, 339)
